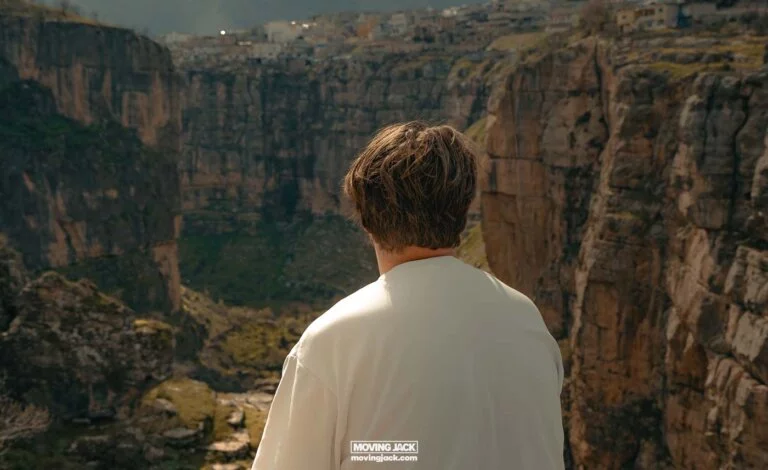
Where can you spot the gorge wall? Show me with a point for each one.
(266, 145)
(626, 195)
(90, 205)
(90, 125)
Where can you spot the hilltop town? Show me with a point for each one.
(468, 28)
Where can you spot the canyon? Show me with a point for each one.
(623, 192)
(266, 145)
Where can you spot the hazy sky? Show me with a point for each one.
(209, 16)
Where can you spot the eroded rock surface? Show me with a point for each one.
(626, 196)
(266, 145)
(89, 137)
(79, 353)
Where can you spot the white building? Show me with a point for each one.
(400, 23)
(451, 12)
(282, 32)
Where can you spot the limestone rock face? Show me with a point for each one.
(628, 202)
(276, 139)
(94, 71)
(89, 139)
(80, 353)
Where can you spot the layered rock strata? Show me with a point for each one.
(626, 196)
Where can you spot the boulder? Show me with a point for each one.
(236, 418)
(165, 407)
(182, 437)
(79, 352)
(182, 402)
(227, 466)
(234, 448)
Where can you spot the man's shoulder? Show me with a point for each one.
(343, 321)
(509, 293)
(520, 308)
(353, 308)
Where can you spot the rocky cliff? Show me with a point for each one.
(626, 195)
(89, 135)
(266, 145)
(95, 71)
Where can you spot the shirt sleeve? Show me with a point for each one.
(300, 430)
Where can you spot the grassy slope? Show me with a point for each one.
(311, 261)
(239, 344)
(472, 248)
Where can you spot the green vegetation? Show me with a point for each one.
(216, 318)
(415, 63)
(263, 345)
(221, 428)
(198, 406)
(461, 69)
(477, 131)
(743, 53)
(310, 260)
(545, 44)
(527, 47)
(752, 49)
(517, 42)
(163, 332)
(29, 123)
(238, 343)
(194, 401)
(679, 71)
(54, 151)
(255, 420)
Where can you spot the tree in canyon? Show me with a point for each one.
(597, 17)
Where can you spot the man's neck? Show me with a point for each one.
(388, 259)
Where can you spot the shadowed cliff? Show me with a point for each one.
(90, 119)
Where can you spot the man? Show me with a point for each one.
(434, 351)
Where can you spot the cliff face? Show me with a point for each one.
(268, 144)
(90, 124)
(96, 72)
(277, 139)
(626, 196)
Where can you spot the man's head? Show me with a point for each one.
(413, 185)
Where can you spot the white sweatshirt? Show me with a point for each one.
(434, 351)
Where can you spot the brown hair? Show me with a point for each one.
(413, 185)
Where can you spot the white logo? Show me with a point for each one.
(384, 451)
